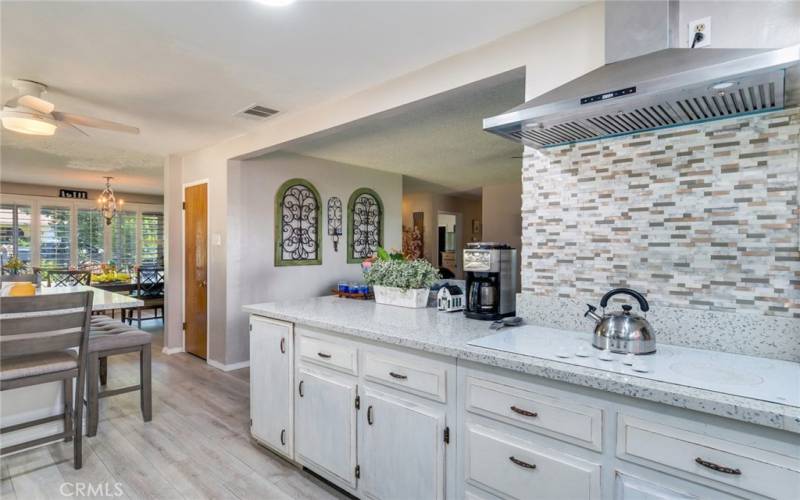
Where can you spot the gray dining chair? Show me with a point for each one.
(38, 336)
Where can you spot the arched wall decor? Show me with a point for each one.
(297, 224)
(364, 225)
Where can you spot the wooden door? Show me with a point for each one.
(195, 217)
(271, 398)
(325, 423)
(402, 455)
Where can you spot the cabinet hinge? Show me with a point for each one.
(183, 326)
(183, 206)
(251, 327)
(251, 422)
(358, 402)
(447, 435)
(358, 471)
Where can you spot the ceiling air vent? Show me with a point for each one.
(256, 112)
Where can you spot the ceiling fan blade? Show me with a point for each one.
(88, 121)
(73, 127)
(36, 103)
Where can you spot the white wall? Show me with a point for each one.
(252, 275)
(502, 217)
(744, 24)
(553, 52)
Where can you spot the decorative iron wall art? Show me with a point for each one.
(335, 221)
(297, 231)
(364, 225)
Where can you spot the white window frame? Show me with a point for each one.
(37, 202)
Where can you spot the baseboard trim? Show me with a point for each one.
(171, 350)
(228, 368)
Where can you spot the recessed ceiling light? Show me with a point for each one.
(723, 85)
(275, 3)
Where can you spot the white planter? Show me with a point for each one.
(393, 296)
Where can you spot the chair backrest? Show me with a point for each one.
(15, 278)
(66, 277)
(150, 281)
(44, 323)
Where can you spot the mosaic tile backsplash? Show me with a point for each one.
(702, 217)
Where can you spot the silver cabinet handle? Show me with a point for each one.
(300, 388)
(524, 413)
(283, 437)
(324, 355)
(369, 415)
(398, 376)
(718, 468)
(283, 345)
(522, 464)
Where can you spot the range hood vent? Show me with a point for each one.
(667, 88)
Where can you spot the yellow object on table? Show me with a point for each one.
(22, 289)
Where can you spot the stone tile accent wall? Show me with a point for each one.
(702, 217)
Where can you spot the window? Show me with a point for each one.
(54, 245)
(364, 225)
(297, 229)
(90, 237)
(123, 240)
(15, 232)
(153, 239)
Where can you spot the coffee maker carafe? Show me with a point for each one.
(491, 274)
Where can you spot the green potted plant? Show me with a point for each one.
(400, 282)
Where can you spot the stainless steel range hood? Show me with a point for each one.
(665, 88)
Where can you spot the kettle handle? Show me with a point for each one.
(643, 305)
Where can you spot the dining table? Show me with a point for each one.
(103, 300)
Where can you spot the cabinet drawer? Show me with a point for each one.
(705, 457)
(508, 467)
(327, 353)
(572, 422)
(403, 372)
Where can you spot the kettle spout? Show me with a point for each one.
(592, 314)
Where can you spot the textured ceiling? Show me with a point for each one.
(180, 70)
(439, 143)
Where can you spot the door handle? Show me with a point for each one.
(369, 415)
(201, 283)
(283, 437)
(300, 388)
(283, 345)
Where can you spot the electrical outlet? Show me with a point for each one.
(702, 26)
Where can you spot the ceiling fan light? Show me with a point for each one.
(27, 125)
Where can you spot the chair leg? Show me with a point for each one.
(93, 402)
(103, 370)
(145, 393)
(68, 409)
(77, 441)
(139, 318)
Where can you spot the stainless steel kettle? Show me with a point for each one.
(622, 331)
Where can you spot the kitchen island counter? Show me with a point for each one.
(449, 334)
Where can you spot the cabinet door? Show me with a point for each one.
(271, 384)
(402, 454)
(325, 430)
(632, 488)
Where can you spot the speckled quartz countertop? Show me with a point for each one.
(449, 334)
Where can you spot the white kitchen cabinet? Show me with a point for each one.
(633, 488)
(325, 423)
(271, 384)
(403, 450)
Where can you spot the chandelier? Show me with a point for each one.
(108, 203)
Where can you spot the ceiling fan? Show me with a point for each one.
(29, 114)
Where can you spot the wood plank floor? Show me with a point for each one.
(197, 445)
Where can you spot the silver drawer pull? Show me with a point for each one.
(398, 375)
(324, 355)
(524, 413)
(519, 462)
(718, 468)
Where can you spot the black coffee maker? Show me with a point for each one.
(491, 274)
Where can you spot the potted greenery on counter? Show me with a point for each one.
(400, 282)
